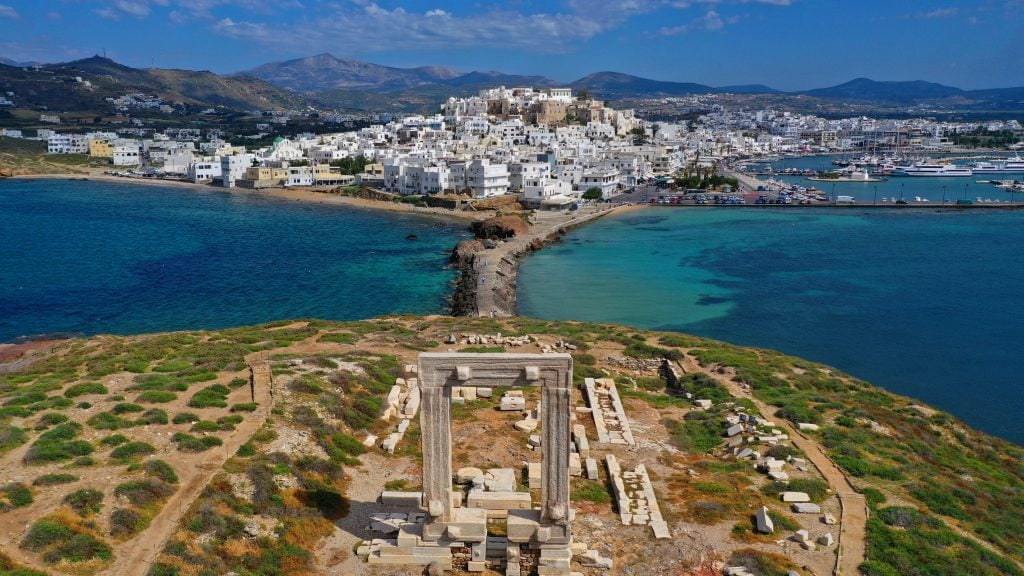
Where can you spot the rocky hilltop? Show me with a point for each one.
(266, 449)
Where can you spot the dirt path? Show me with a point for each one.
(854, 518)
(136, 561)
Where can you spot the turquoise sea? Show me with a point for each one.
(923, 302)
(90, 257)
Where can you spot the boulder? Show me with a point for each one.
(764, 521)
(500, 227)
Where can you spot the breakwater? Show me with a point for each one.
(488, 276)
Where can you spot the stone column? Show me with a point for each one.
(435, 430)
(555, 410)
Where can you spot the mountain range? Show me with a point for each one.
(328, 81)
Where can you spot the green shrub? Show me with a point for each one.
(698, 433)
(58, 444)
(125, 522)
(156, 397)
(11, 437)
(142, 493)
(591, 491)
(114, 440)
(14, 495)
(85, 388)
(161, 470)
(238, 383)
(172, 366)
(126, 407)
(244, 407)
(45, 532)
(108, 421)
(80, 548)
(54, 479)
(205, 426)
(152, 416)
(190, 443)
(873, 496)
(132, 451)
(85, 501)
(50, 419)
(246, 450)
(215, 396)
(185, 417)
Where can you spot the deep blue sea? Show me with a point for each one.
(924, 303)
(90, 257)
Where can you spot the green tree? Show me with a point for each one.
(639, 136)
(593, 194)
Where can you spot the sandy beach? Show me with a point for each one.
(318, 194)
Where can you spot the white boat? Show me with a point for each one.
(928, 169)
(1014, 164)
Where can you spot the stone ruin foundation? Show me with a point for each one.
(446, 527)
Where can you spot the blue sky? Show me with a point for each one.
(787, 44)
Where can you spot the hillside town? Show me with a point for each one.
(549, 146)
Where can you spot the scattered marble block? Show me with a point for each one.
(527, 425)
(466, 474)
(795, 497)
(778, 476)
(829, 520)
(806, 508)
(476, 566)
(512, 403)
(807, 545)
(826, 539)
(534, 441)
(592, 472)
(533, 472)
(500, 480)
(404, 499)
(801, 536)
(807, 427)
(370, 440)
(575, 465)
(484, 392)
(703, 404)
(764, 521)
(734, 430)
(498, 500)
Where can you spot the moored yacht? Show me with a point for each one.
(929, 169)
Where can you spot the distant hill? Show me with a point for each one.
(748, 89)
(53, 86)
(618, 85)
(9, 62)
(867, 89)
(328, 72)
(492, 79)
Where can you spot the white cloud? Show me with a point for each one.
(183, 10)
(709, 22)
(343, 27)
(8, 12)
(941, 13)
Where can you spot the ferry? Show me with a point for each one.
(1014, 164)
(925, 169)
